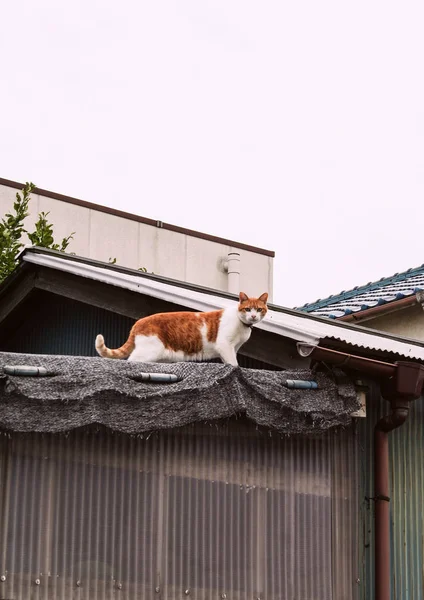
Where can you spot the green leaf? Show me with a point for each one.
(12, 228)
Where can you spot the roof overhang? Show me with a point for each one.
(384, 309)
(294, 325)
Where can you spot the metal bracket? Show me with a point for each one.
(378, 497)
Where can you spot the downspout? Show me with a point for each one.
(400, 383)
(396, 418)
(400, 390)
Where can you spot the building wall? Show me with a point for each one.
(407, 322)
(173, 254)
(222, 511)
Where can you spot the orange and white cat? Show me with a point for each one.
(191, 336)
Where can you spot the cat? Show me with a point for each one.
(191, 336)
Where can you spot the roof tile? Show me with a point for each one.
(360, 298)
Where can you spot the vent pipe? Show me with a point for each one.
(233, 269)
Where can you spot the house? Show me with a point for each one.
(394, 304)
(226, 483)
(103, 233)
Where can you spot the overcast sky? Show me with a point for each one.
(293, 126)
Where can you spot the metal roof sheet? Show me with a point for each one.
(296, 325)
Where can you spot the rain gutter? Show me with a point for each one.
(376, 368)
(383, 309)
(400, 383)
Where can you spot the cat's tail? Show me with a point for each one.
(122, 352)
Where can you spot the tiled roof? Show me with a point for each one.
(384, 291)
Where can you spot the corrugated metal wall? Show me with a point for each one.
(206, 512)
(406, 446)
(57, 325)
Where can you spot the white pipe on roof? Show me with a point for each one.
(233, 265)
(300, 328)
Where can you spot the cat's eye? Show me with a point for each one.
(247, 309)
(259, 310)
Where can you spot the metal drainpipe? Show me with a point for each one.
(398, 416)
(400, 383)
(400, 390)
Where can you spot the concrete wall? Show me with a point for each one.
(406, 322)
(181, 256)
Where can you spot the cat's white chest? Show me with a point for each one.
(245, 333)
(232, 329)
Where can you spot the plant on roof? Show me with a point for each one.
(43, 235)
(112, 261)
(12, 230)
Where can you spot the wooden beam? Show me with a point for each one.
(102, 295)
(16, 293)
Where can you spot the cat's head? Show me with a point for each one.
(252, 310)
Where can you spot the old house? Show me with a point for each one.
(393, 304)
(251, 482)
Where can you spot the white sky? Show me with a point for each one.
(294, 126)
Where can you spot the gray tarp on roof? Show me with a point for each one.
(97, 390)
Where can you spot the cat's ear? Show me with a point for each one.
(243, 297)
(263, 298)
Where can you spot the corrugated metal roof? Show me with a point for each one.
(384, 291)
(293, 324)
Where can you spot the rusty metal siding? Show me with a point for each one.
(205, 512)
(406, 447)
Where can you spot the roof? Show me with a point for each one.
(295, 325)
(138, 218)
(83, 391)
(361, 298)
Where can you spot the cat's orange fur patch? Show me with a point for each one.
(176, 331)
(185, 332)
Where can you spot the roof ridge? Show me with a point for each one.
(357, 290)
